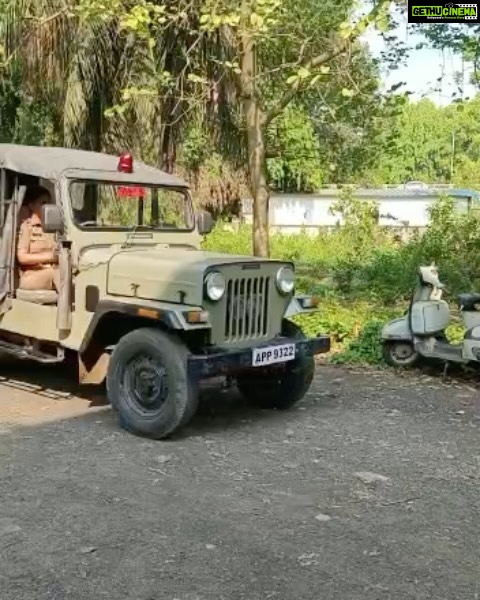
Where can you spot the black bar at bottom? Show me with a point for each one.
(224, 363)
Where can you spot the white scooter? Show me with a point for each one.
(421, 331)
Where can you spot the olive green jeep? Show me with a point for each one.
(140, 305)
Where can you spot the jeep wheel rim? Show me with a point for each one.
(145, 383)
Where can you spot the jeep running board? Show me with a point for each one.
(30, 353)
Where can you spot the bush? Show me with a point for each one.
(366, 349)
(363, 275)
(344, 322)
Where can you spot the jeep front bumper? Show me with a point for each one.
(228, 362)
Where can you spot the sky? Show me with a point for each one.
(423, 68)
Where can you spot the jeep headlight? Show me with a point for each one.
(215, 286)
(285, 280)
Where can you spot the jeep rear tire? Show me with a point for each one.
(147, 383)
(279, 387)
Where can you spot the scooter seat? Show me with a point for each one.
(468, 301)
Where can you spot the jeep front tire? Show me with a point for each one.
(147, 383)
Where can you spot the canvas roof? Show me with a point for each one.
(53, 162)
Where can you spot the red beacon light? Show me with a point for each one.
(125, 163)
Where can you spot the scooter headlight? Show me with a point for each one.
(285, 280)
(215, 286)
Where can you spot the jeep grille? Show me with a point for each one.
(246, 314)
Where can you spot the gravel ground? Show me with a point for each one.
(368, 490)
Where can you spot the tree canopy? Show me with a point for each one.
(240, 97)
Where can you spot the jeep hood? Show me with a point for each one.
(171, 274)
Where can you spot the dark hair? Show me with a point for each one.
(34, 193)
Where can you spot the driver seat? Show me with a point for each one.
(468, 301)
(37, 296)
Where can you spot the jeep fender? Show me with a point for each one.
(113, 319)
(167, 315)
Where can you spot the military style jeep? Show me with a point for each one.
(140, 305)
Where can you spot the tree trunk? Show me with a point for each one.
(259, 188)
(254, 118)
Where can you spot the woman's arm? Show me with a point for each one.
(24, 256)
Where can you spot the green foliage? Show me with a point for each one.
(350, 128)
(122, 75)
(343, 320)
(195, 147)
(432, 144)
(366, 349)
(34, 124)
(417, 146)
(360, 220)
(455, 333)
(462, 39)
(9, 102)
(297, 165)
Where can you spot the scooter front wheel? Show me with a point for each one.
(400, 353)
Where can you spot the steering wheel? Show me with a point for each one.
(89, 224)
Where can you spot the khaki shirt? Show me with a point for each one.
(32, 240)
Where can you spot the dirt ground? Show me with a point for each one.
(368, 490)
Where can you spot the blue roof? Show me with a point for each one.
(464, 193)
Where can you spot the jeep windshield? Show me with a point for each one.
(115, 206)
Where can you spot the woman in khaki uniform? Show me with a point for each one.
(35, 248)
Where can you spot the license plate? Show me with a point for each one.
(270, 355)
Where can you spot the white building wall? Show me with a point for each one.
(315, 212)
(292, 213)
(408, 212)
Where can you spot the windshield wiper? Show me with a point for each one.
(129, 237)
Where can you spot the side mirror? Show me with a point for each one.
(204, 222)
(52, 221)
